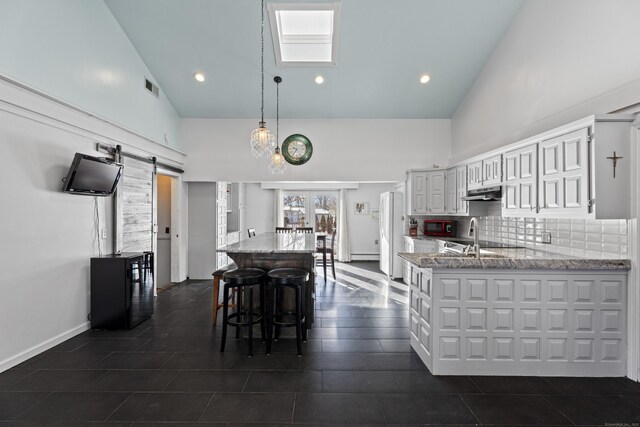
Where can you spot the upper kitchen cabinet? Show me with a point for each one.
(492, 171)
(426, 191)
(520, 191)
(456, 189)
(436, 192)
(417, 192)
(485, 172)
(474, 175)
(570, 171)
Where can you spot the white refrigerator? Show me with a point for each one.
(391, 233)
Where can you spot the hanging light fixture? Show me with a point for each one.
(261, 139)
(277, 164)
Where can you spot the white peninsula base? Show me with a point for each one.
(519, 322)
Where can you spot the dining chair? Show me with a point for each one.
(251, 232)
(325, 249)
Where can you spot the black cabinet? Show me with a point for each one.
(121, 290)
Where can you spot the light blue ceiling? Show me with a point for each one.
(384, 47)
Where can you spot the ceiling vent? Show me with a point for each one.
(151, 87)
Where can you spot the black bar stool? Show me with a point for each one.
(293, 278)
(244, 316)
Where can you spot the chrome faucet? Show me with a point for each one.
(475, 233)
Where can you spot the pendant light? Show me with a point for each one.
(261, 139)
(277, 164)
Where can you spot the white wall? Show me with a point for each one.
(202, 229)
(364, 229)
(74, 50)
(259, 209)
(559, 61)
(48, 237)
(343, 150)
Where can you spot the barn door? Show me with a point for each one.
(137, 196)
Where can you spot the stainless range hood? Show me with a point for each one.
(484, 194)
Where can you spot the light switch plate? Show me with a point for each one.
(545, 237)
(104, 233)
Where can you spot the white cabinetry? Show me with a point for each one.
(564, 174)
(461, 190)
(568, 171)
(474, 175)
(451, 200)
(417, 190)
(413, 245)
(408, 247)
(519, 322)
(436, 192)
(456, 189)
(221, 223)
(421, 313)
(520, 192)
(492, 171)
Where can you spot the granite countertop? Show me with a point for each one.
(525, 259)
(274, 243)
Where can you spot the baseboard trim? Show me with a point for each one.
(365, 257)
(39, 348)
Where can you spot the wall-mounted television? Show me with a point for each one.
(92, 176)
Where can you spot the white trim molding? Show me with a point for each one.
(633, 293)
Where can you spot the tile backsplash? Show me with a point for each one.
(597, 238)
(601, 239)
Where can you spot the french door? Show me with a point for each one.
(317, 209)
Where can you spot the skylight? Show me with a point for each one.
(304, 33)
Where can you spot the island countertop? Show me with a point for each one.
(274, 243)
(523, 259)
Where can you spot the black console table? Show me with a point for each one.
(122, 288)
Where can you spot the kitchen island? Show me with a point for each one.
(518, 312)
(277, 250)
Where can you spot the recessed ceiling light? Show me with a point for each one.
(199, 76)
(319, 80)
(424, 79)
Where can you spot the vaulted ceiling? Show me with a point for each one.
(384, 47)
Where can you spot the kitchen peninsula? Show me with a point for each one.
(275, 250)
(518, 312)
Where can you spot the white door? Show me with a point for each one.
(418, 193)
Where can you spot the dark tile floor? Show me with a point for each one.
(357, 368)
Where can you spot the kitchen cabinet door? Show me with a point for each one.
(436, 192)
(492, 171)
(564, 174)
(417, 192)
(520, 192)
(461, 190)
(451, 202)
(474, 175)
(408, 247)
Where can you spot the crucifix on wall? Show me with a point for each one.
(615, 162)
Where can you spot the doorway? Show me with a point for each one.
(317, 209)
(163, 247)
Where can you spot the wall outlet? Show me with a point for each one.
(375, 242)
(103, 233)
(545, 237)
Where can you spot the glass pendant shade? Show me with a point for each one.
(262, 141)
(277, 164)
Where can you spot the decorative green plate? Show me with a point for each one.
(297, 149)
